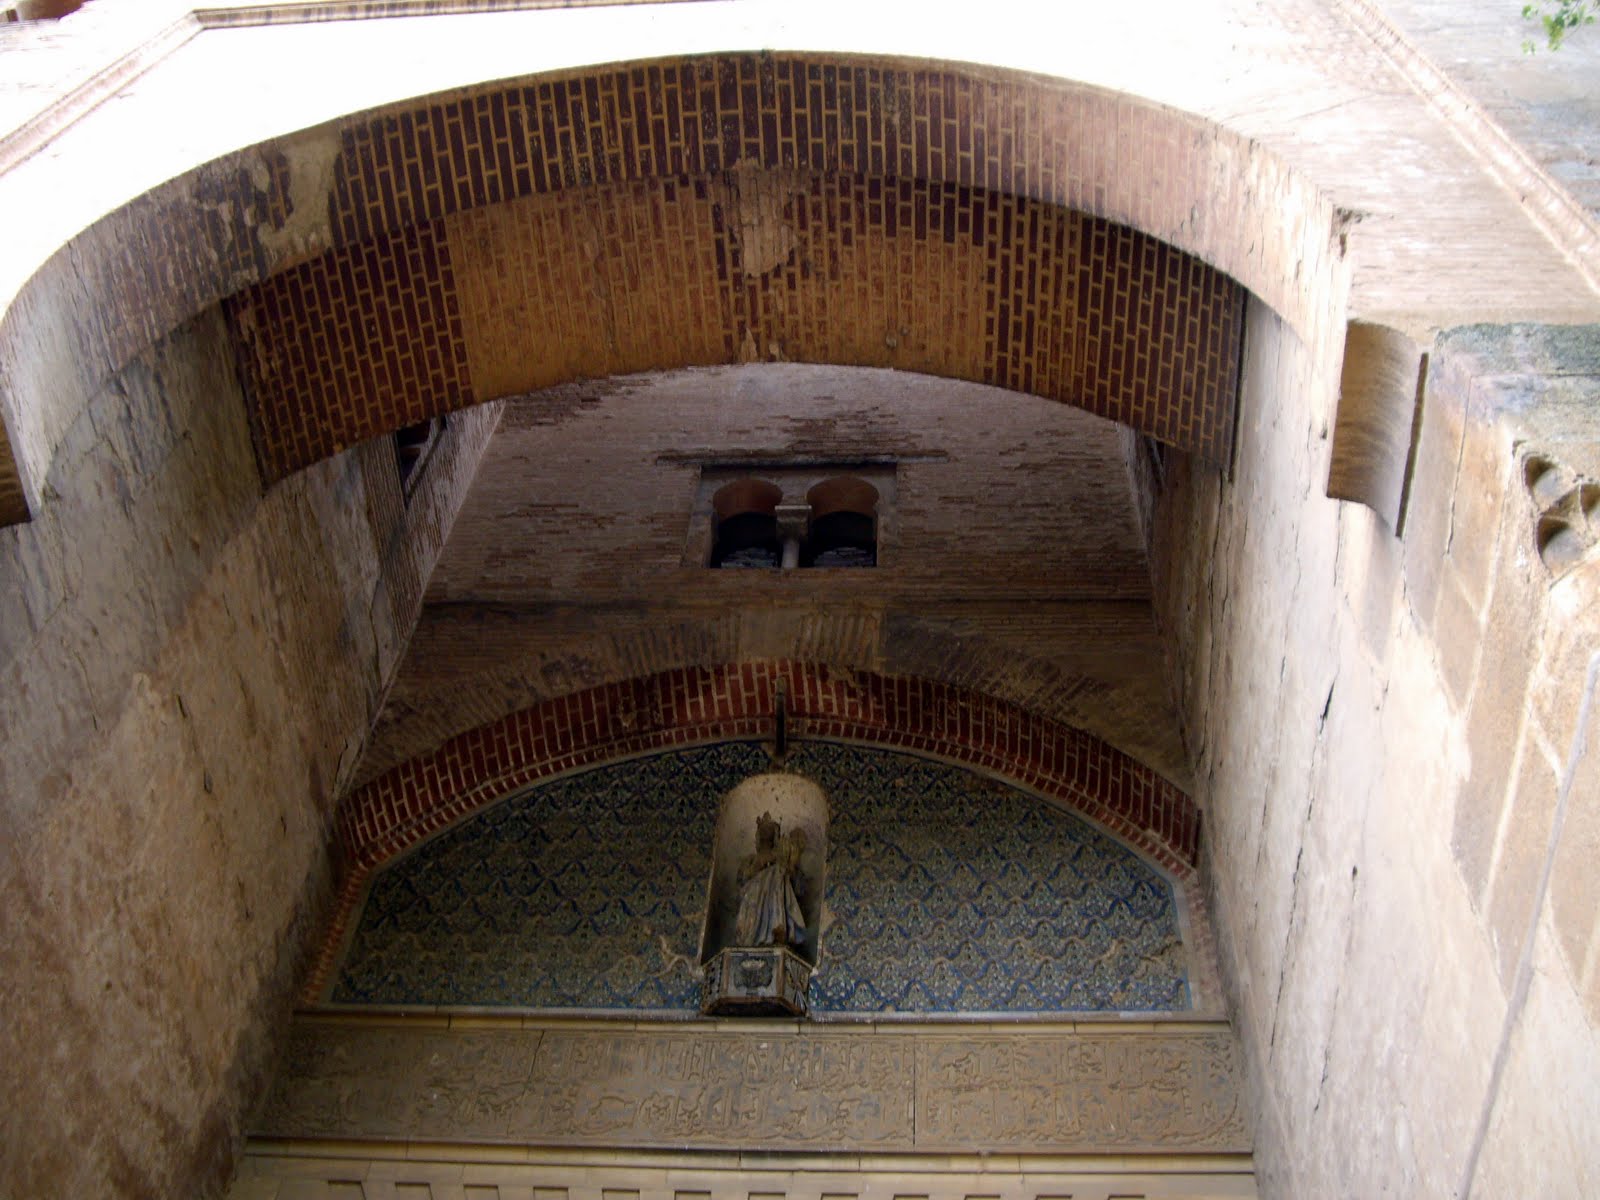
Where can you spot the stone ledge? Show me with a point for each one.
(324, 1171)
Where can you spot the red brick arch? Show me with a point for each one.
(725, 267)
(968, 221)
(413, 801)
(694, 213)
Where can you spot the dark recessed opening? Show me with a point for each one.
(409, 443)
(747, 540)
(844, 524)
(747, 525)
(841, 539)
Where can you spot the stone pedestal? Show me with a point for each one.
(765, 981)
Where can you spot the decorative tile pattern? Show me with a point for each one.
(584, 892)
(695, 705)
(947, 893)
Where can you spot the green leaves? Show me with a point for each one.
(1558, 21)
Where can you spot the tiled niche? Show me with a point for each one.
(947, 893)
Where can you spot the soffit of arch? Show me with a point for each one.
(406, 804)
(1361, 145)
(1327, 89)
(1073, 307)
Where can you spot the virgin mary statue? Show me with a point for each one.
(769, 911)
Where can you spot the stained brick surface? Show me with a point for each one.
(840, 268)
(730, 209)
(890, 157)
(1012, 559)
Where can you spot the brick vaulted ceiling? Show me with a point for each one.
(735, 210)
(505, 240)
(963, 221)
(725, 210)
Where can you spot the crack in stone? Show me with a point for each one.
(1524, 976)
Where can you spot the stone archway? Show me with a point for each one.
(629, 189)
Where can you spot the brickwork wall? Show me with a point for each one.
(610, 279)
(1095, 667)
(982, 130)
(1016, 567)
(329, 344)
(407, 804)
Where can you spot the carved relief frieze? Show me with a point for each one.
(786, 1091)
(1080, 1092)
(390, 1082)
(783, 1089)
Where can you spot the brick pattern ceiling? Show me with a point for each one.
(725, 210)
(775, 205)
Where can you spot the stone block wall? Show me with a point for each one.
(1382, 729)
(187, 670)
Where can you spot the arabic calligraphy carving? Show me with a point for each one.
(765, 1089)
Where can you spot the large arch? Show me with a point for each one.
(411, 802)
(1300, 686)
(750, 264)
(946, 173)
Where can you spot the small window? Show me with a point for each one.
(771, 517)
(844, 524)
(746, 518)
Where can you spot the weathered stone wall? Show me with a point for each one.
(187, 670)
(1351, 699)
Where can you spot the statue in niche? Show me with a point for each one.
(762, 935)
(769, 910)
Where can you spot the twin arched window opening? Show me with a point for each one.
(757, 525)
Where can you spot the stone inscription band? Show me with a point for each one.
(707, 1088)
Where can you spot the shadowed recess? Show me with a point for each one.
(947, 893)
